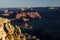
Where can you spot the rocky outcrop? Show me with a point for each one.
(8, 32)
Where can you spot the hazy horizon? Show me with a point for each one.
(29, 3)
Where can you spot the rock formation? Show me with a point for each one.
(9, 32)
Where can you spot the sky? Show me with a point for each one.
(29, 3)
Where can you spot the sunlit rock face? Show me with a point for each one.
(12, 34)
(34, 15)
(27, 15)
(2, 32)
(30, 14)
